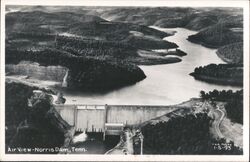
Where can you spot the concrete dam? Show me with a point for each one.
(108, 118)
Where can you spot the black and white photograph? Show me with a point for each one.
(131, 80)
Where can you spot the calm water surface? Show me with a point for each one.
(165, 84)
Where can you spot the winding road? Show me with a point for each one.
(218, 114)
(218, 122)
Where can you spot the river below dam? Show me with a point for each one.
(165, 84)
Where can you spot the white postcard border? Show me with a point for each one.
(180, 3)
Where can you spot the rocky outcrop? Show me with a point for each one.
(33, 69)
(88, 74)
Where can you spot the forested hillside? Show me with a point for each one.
(184, 135)
(232, 53)
(228, 74)
(224, 32)
(82, 25)
(88, 74)
(99, 54)
(31, 127)
(217, 27)
(234, 102)
(191, 18)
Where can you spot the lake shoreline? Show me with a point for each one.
(160, 77)
(223, 57)
(202, 43)
(216, 80)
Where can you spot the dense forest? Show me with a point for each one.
(81, 25)
(229, 74)
(101, 55)
(184, 135)
(30, 127)
(217, 27)
(169, 17)
(220, 34)
(125, 51)
(232, 53)
(234, 102)
(88, 74)
(75, 45)
(227, 36)
(96, 48)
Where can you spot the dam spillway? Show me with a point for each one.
(92, 118)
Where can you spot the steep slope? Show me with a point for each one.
(33, 126)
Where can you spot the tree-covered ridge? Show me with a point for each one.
(22, 28)
(186, 135)
(217, 27)
(230, 74)
(231, 53)
(16, 111)
(79, 32)
(234, 102)
(220, 34)
(95, 48)
(99, 53)
(73, 23)
(55, 57)
(171, 17)
(125, 51)
(39, 21)
(31, 127)
(74, 45)
(227, 35)
(144, 15)
(85, 73)
(119, 50)
(208, 20)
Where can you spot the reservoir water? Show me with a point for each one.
(165, 84)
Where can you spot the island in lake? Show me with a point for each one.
(124, 80)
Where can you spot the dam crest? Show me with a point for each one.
(109, 119)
